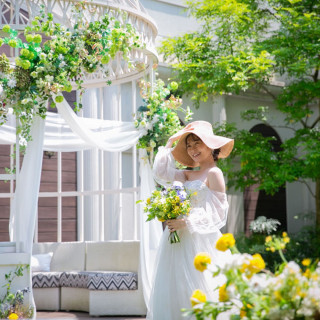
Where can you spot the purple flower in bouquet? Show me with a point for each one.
(181, 193)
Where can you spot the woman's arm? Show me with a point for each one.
(164, 169)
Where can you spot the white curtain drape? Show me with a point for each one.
(23, 210)
(151, 232)
(66, 132)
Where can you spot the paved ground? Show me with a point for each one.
(79, 315)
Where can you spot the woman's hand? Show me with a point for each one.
(175, 224)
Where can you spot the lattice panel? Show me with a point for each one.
(13, 13)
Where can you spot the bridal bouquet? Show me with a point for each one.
(171, 203)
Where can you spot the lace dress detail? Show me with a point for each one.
(175, 277)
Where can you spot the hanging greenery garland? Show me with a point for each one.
(52, 57)
(158, 118)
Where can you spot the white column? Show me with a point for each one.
(235, 197)
(111, 169)
(91, 174)
(134, 162)
(219, 109)
(80, 186)
(101, 170)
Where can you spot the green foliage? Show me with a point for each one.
(13, 302)
(241, 45)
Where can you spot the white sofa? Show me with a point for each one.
(101, 278)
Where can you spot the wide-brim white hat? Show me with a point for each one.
(203, 130)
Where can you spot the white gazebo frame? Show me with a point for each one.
(20, 12)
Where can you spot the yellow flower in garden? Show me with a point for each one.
(225, 242)
(201, 260)
(286, 239)
(197, 297)
(306, 262)
(272, 249)
(223, 294)
(148, 201)
(268, 239)
(13, 316)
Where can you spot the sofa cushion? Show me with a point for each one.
(41, 262)
(100, 280)
(67, 256)
(114, 255)
(46, 279)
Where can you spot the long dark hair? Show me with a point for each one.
(215, 152)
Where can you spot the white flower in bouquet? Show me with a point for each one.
(171, 203)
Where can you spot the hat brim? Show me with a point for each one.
(213, 142)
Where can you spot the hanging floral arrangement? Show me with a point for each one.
(53, 57)
(158, 118)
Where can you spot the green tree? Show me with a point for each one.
(241, 45)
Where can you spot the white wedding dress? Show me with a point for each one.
(175, 275)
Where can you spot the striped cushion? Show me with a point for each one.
(46, 279)
(100, 280)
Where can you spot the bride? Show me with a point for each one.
(175, 276)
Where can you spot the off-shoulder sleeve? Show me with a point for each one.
(212, 216)
(164, 170)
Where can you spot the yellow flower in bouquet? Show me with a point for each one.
(225, 242)
(223, 294)
(201, 261)
(198, 297)
(171, 203)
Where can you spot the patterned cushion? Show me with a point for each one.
(74, 279)
(100, 280)
(46, 279)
